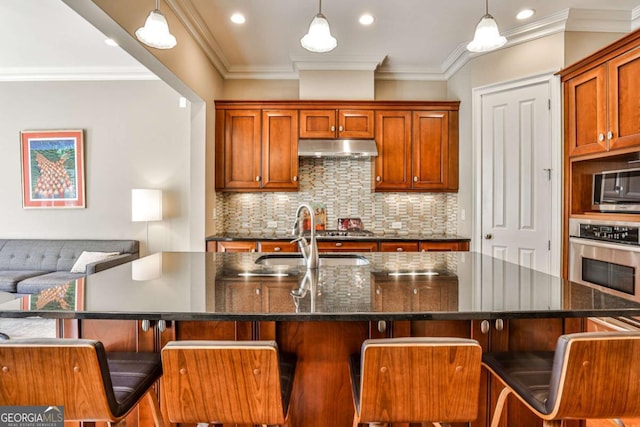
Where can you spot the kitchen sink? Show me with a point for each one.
(325, 259)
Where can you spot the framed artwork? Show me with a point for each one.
(52, 169)
(69, 296)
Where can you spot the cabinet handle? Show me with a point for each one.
(415, 179)
(340, 128)
(601, 137)
(382, 326)
(145, 325)
(277, 249)
(258, 178)
(499, 324)
(609, 135)
(295, 178)
(162, 325)
(258, 291)
(399, 249)
(338, 244)
(378, 178)
(333, 128)
(253, 250)
(484, 326)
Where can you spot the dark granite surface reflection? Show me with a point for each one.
(232, 286)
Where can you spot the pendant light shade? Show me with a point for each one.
(319, 38)
(155, 32)
(487, 36)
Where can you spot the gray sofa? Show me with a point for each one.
(28, 266)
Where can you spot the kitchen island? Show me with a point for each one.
(323, 315)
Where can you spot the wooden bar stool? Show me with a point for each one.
(434, 380)
(78, 374)
(242, 382)
(590, 375)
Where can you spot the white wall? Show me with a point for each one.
(136, 136)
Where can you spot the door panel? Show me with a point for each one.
(393, 138)
(516, 185)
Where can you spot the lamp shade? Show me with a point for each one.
(146, 205)
(319, 38)
(155, 32)
(487, 36)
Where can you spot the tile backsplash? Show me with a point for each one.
(344, 186)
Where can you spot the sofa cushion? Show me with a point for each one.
(44, 281)
(85, 258)
(9, 278)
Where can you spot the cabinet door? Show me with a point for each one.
(277, 246)
(317, 123)
(355, 124)
(347, 246)
(430, 150)
(393, 139)
(279, 150)
(399, 247)
(443, 246)
(586, 112)
(236, 246)
(242, 149)
(624, 100)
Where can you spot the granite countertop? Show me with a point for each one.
(390, 236)
(387, 286)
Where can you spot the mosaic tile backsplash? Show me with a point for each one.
(344, 186)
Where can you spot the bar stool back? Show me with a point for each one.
(590, 375)
(242, 382)
(416, 380)
(78, 374)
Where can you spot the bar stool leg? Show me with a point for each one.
(502, 399)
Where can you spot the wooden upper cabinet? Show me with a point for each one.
(242, 149)
(624, 100)
(417, 151)
(431, 150)
(279, 150)
(393, 140)
(602, 103)
(257, 150)
(330, 123)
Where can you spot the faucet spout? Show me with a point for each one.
(309, 249)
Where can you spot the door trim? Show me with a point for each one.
(555, 95)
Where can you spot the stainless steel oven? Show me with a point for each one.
(606, 255)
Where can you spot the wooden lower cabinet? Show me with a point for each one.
(399, 246)
(347, 246)
(443, 246)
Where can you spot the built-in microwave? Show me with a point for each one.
(617, 191)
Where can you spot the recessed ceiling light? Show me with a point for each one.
(111, 42)
(238, 18)
(525, 14)
(366, 19)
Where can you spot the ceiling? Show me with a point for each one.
(410, 39)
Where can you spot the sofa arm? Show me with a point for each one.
(95, 267)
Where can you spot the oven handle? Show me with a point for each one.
(600, 244)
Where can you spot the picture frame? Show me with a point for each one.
(66, 297)
(52, 168)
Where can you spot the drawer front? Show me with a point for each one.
(347, 246)
(277, 246)
(399, 247)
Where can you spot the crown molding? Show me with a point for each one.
(605, 21)
(635, 18)
(34, 74)
(192, 21)
(337, 63)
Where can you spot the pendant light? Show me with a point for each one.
(155, 32)
(487, 36)
(319, 38)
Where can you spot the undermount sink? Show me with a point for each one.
(325, 259)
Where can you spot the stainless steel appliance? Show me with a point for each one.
(617, 191)
(606, 255)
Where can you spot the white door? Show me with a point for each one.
(516, 175)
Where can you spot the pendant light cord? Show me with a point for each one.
(320, 6)
(486, 7)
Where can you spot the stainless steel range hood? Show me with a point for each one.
(337, 148)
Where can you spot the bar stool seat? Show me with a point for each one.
(237, 382)
(78, 374)
(434, 380)
(589, 375)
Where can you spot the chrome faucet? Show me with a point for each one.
(309, 249)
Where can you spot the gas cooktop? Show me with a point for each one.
(344, 233)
